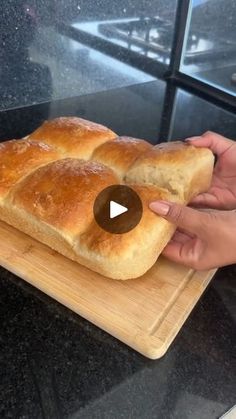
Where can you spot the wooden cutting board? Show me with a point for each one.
(145, 313)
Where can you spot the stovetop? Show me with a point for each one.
(154, 35)
(147, 34)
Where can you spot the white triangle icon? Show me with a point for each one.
(116, 209)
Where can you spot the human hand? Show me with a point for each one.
(203, 240)
(222, 192)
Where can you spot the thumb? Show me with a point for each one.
(189, 219)
(215, 142)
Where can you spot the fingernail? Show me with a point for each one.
(192, 138)
(161, 208)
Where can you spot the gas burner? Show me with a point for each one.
(150, 34)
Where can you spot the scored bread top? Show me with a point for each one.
(73, 135)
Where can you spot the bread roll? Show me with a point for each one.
(62, 193)
(129, 255)
(177, 166)
(49, 182)
(74, 136)
(121, 153)
(19, 158)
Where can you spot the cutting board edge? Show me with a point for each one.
(152, 346)
(182, 319)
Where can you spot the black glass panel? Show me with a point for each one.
(210, 43)
(56, 49)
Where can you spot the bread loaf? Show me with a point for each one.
(49, 182)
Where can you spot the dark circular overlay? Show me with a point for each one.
(122, 195)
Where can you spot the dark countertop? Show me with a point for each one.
(54, 364)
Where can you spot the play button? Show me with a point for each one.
(117, 209)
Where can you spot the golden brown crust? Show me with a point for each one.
(49, 195)
(62, 193)
(20, 157)
(116, 245)
(121, 153)
(76, 137)
(123, 256)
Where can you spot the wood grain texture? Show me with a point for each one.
(144, 313)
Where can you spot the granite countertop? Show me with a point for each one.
(54, 364)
